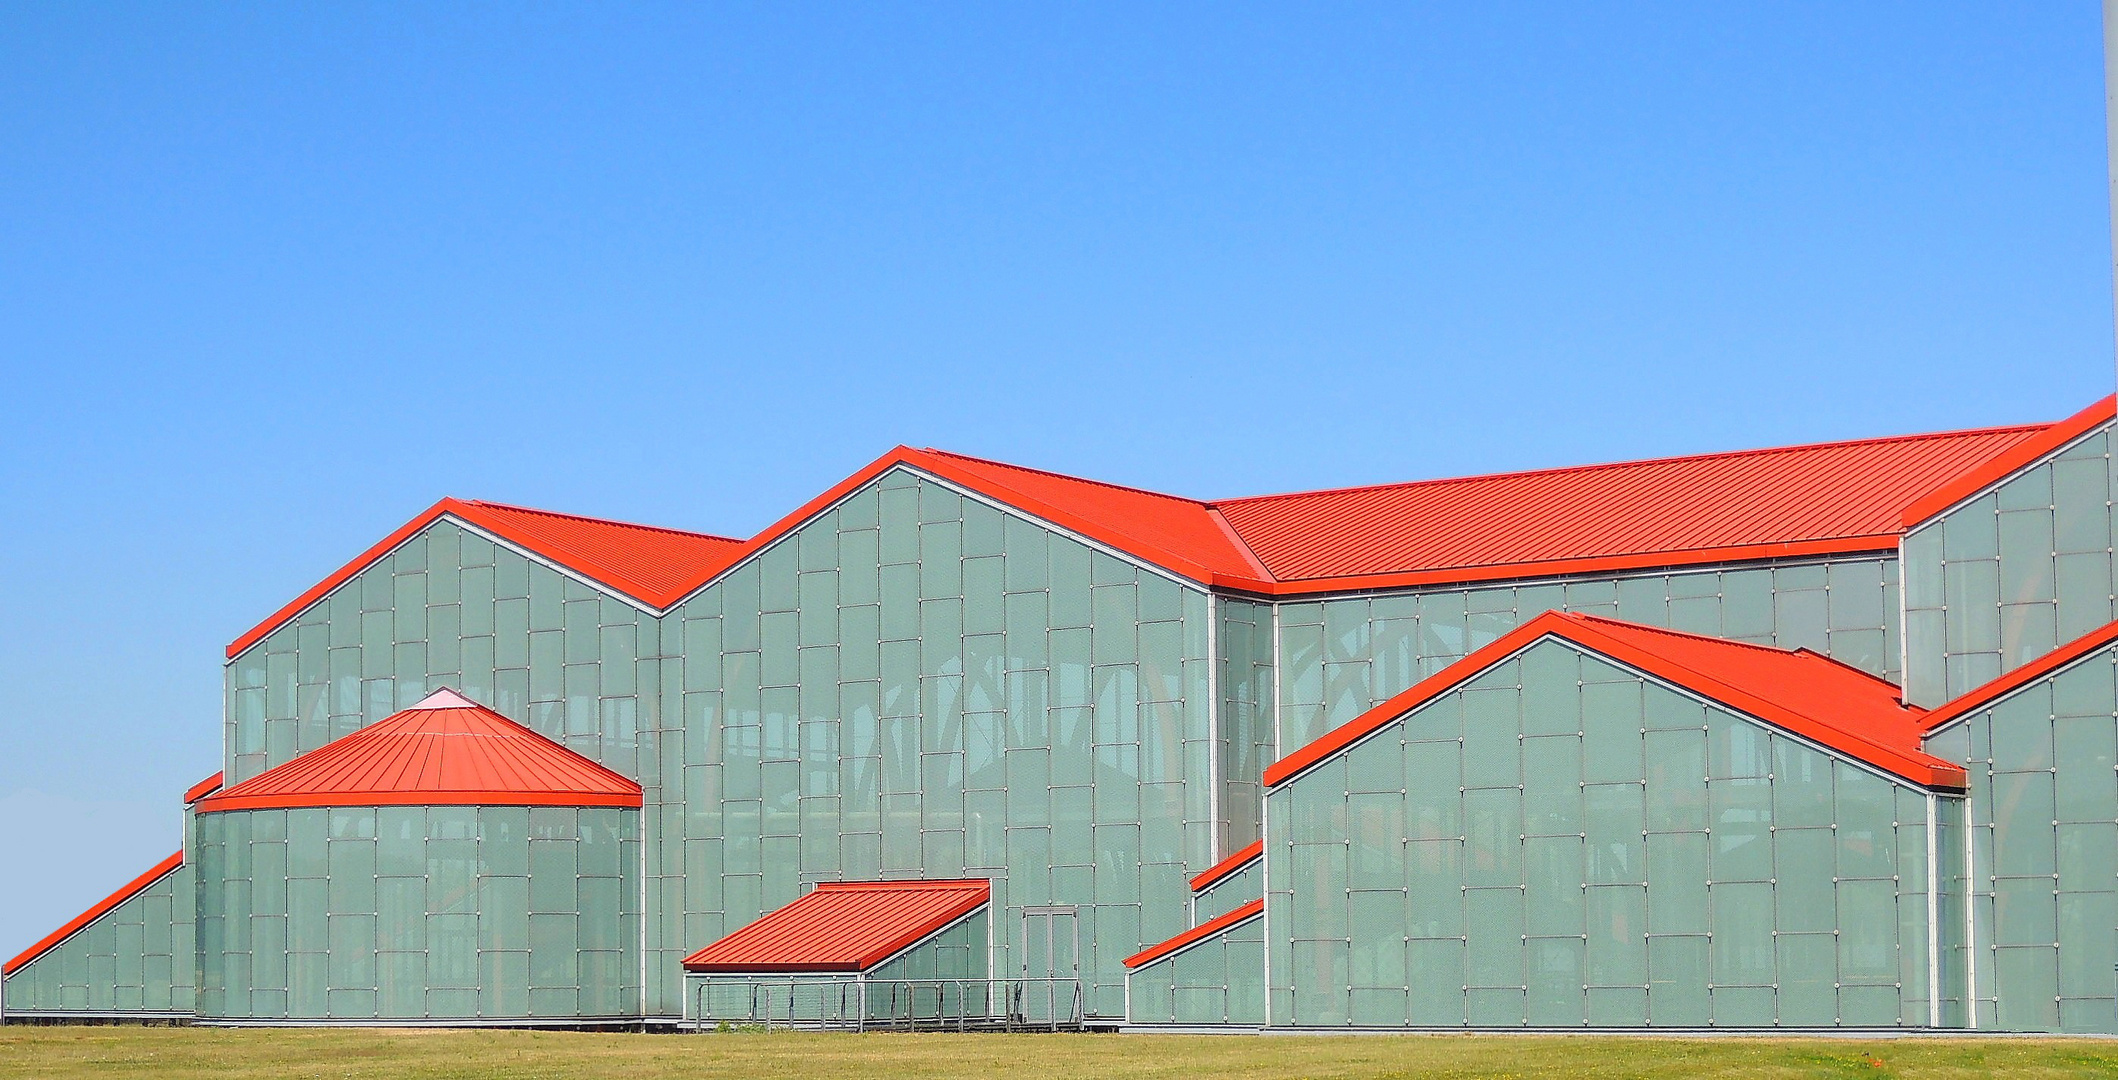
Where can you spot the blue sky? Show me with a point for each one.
(274, 279)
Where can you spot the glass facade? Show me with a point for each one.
(1560, 843)
(136, 959)
(917, 684)
(455, 913)
(2044, 850)
(1340, 658)
(1229, 893)
(2012, 574)
(1244, 653)
(449, 608)
(1220, 980)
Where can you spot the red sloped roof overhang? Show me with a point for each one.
(651, 565)
(1221, 871)
(1817, 698)
(2006, 463)
(103, 907)
(1979, 698)
(843, 926)
(1196, 934)
(445, 751)
(202, 789)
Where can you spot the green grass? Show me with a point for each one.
(61, 1053)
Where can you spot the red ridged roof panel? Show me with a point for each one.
(445, 751)
(654, 565)
(843, 926)
(1813, 696)
(1846, 491)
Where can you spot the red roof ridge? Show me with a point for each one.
(1801, 650)
(596, 520)
(101, 908)
(1067, 476)
(1738, 690)
(1220, 871)
(1979, 697)
(203, 788)
(1714, 455)
(1196, 934)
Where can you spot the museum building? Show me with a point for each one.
(1817, 737)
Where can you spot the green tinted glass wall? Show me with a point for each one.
(1563, 843)
(1244, 650)
(1340, 658)
(1220, 980)
(135, 960)
(2011, 575)
(449, 608)
(419, 913)
(2044, 850)
(1229, 893)
(915, 683)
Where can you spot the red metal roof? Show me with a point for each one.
(445, 751)
(655, 566)
(2019, 456)
(103, 907)
(202, 789)
(1837, 706)
(1754, 504)
(1196, 934)
(1220, 870)
(1802, 500)
(847, 926)
(1973, 700)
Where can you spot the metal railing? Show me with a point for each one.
(855, 1004)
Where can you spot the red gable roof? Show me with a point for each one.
(1820, 699)
(1755, 504)
(654, 566)
(444, 751)
(846, 926)
(1980, 697)
(1801, 500)
(103, 907)
(1196, 934)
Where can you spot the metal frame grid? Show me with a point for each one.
(407, 913)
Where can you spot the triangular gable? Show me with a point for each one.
(444, 751)
(843, 926)
(101, 908)
(1819, 699)
(648, 565)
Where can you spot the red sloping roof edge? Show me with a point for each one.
(103, 907)
(483, 516)
(1972, 700)
(977, 893)
(1920, 768)
(2008, 461)
(203, 788)
(1219, 871)
(1196, 934)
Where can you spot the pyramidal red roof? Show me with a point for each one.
(445, 751)
(845, 926)
(654, 566)
(1813, 696)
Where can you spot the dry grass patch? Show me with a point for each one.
(67, 1053)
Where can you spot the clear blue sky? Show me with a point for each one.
(273, 280)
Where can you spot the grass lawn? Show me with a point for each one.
(62, 1053)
